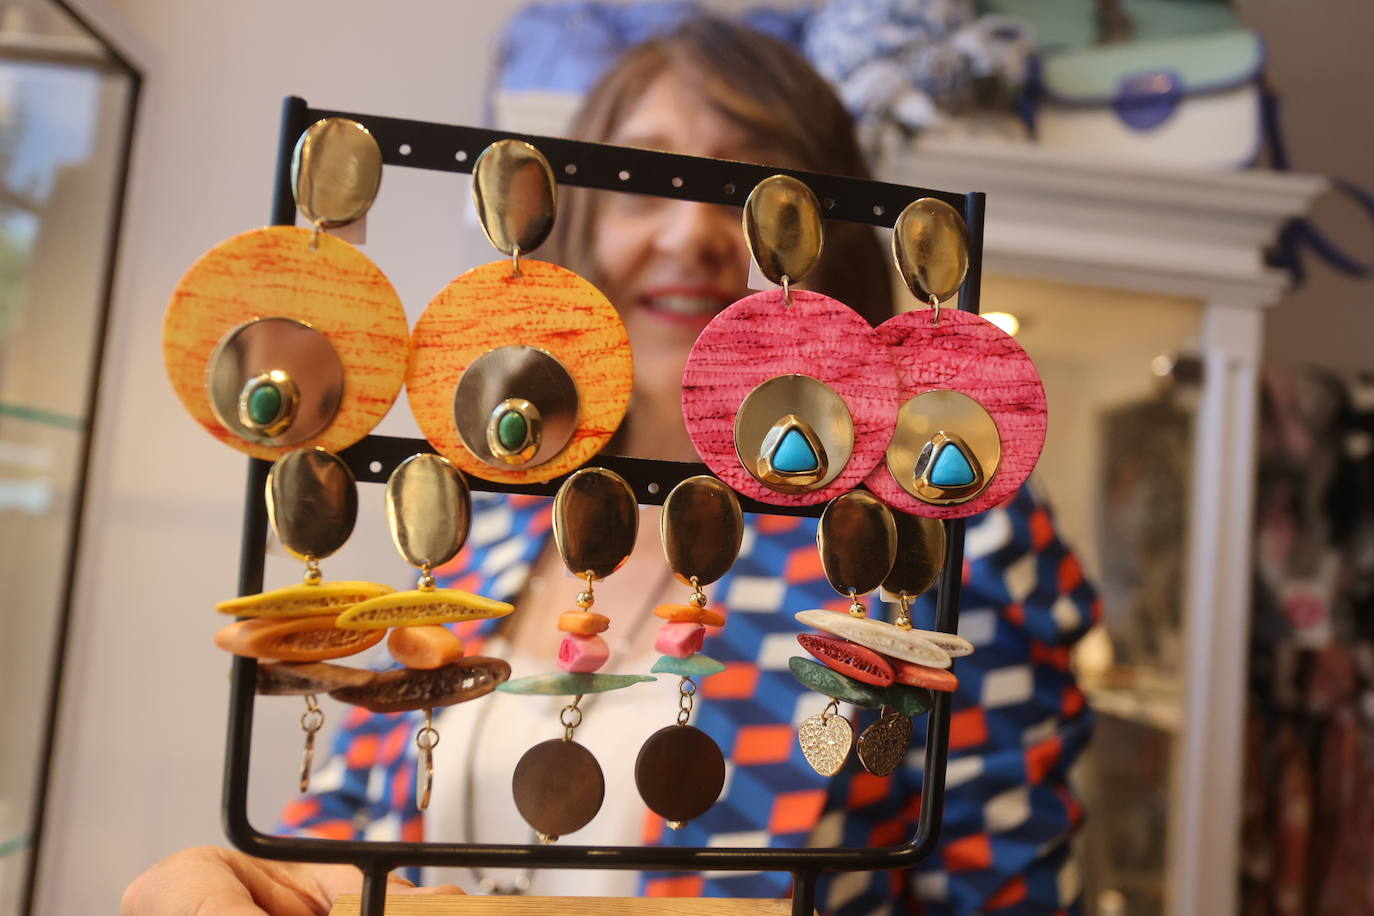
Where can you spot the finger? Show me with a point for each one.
(288, 888)
(206, 880)
(434, 890)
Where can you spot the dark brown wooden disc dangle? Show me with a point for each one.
(680, 770)
(883, 745)
(558, 785)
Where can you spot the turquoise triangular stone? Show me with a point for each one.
(794, 454)
(951, 468)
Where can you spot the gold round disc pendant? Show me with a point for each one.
(946, 448)
(680, 772)
(794, 434)
(558, 787)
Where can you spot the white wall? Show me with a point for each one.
(139, 764)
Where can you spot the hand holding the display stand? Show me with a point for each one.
(225, 882)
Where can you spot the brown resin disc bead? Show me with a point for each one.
(686, 613)
(424, 647)
(583, 623)
(558, 787)
(298, 679)
(680, 772)
(848, 658)
(407, 688)
(914, 675)
(299, 639)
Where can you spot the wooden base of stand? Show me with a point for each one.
(454, 905)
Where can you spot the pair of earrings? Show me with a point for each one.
(680, 771)
(792, 398)
(312, 505)
(518, 371)
(284, 338)
(891, 667)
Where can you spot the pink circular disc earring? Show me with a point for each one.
(788, 395)
(972, 419)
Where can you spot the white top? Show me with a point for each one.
(481, 742)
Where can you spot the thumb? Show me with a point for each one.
(431, 891)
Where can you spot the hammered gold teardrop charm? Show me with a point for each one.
(782, 223)
(826, 740)
(883, 745)
(516, 195)
(930, 245)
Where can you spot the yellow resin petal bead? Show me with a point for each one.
(304, 600)
(417, 608)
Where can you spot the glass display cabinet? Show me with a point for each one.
(67, 104)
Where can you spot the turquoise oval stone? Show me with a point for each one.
(697, 665)
(512, 429)
(794, 454)
(951, 468)
(264, 403)
(564, 683)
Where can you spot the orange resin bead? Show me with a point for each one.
(298, 639)
(583, 623)
(424, 647)
(686, 613)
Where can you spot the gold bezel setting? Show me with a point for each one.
(936, 494)
(290, 395)
(790, 481)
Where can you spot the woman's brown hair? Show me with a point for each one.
(767, 88)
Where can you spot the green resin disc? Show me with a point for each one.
(565, 684)
(909, 701)
(697, 665)
(833, 684)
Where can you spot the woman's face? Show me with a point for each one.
(670, 265)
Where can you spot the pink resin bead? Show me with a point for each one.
(582, 654)
(680, 639)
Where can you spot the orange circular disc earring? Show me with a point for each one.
(520, 370)
(286, 337)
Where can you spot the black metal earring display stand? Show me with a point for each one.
(454, 149)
